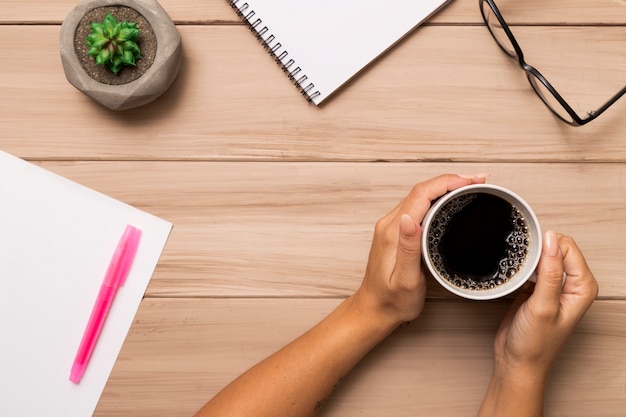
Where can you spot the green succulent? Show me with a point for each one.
(114, 43)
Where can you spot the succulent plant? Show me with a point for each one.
(114, 43)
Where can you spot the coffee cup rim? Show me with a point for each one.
(535, 245)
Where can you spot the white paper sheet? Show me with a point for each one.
(56, 240)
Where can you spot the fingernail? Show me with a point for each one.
(552, 246)
(407, 226)
(480, 175)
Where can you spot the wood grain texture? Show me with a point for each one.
(439, 365)
(274, 201)
(457, 99)
(458, 11)
(304, 229)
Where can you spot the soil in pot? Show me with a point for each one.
(147, 44)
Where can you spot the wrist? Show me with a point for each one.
(380, 320)
(527, 373)
(514, 392)
(520, 379)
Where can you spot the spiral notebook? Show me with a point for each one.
(322, 44)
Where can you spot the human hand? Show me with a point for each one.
(394, 286)
(538, 324)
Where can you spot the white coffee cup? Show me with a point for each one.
(532, 243)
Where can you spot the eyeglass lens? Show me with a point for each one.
(548, 98)
(502, 38)
(497, 30)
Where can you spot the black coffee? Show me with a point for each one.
(478, 241)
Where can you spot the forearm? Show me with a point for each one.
(514, 393)
(296, 380)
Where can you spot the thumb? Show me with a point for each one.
(549, 272)
(409, 251)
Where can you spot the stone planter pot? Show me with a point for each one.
(154, 82)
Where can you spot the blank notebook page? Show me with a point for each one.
(323, 43)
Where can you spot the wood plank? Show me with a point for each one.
(43, 11)
(457, 99)
(459, 11)
(180, 352)
(304, 229)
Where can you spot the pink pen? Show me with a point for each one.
(115, 276)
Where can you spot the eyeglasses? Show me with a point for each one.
(548, 94)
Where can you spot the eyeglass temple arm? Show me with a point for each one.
(609, 103)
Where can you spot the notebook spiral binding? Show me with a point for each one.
(275, 48)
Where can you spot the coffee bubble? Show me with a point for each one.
(515, 245)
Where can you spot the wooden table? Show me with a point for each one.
(274, 200)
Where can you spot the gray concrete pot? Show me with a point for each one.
(154, 82)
